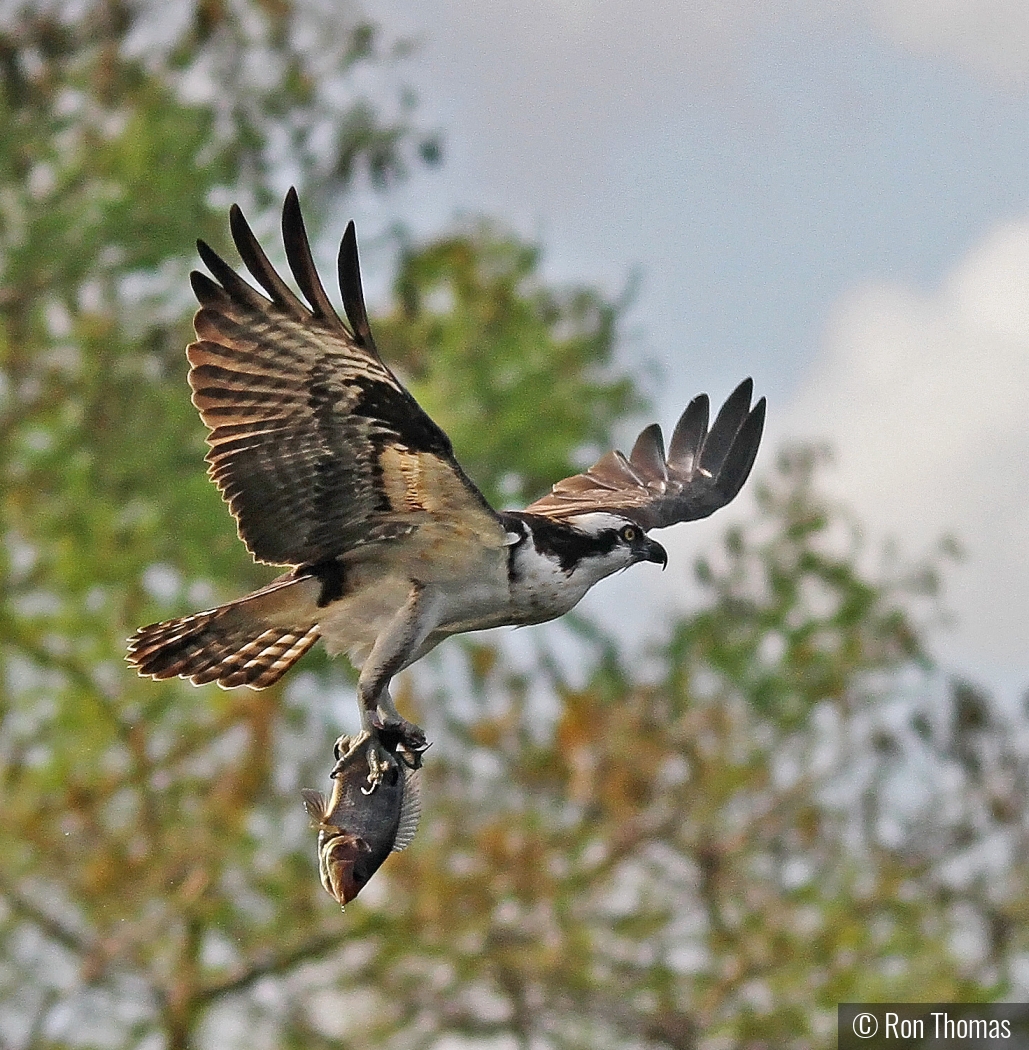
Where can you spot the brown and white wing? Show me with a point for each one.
(703, 471)
(315, 444)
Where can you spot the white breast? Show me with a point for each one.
(541, 590)
(376, 592)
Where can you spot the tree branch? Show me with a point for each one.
(268, 964)
(48, 924)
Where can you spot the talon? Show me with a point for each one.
(398, 732)
(376, 768)
(411, 756)
(345, 748)
(342, 745)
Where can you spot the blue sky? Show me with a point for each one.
(830, 195)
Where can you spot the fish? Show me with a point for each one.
(373, 810)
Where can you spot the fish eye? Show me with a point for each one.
(629, 534)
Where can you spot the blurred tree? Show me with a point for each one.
(485, 345)
(683, 862)
(155, 858)
(713, 853)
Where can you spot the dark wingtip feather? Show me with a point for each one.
(203, 287)
(648, 454)
(291, 213)
(688, 436)
(301, 261)
(260, 267)
(349, 266)
(210, 258)
(741, 456)
(231, 281)
(728, 421)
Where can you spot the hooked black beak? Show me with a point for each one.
(653, 551)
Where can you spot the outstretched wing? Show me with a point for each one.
(704, 470)
(315, 444)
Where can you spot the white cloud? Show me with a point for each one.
(986, 36)
(926, 401)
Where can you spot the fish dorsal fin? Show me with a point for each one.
(314, 803)
(410, 812)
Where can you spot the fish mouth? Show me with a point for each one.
(340, 873)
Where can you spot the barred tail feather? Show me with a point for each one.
(252, 641)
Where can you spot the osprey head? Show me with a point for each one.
(553, 562)
(586, 547)
(616, 542)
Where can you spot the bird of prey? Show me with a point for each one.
(332, 469)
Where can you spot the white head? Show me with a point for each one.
(610, 542)
(561, 558)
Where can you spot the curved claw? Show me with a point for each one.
(345, 748)
(411, 757)
(398, 732)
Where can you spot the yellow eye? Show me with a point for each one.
(630, 533)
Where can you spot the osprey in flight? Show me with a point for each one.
(331, 467)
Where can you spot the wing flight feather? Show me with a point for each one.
(304, 416)
(703, 471)
(350, 287)
(688, 436)
(301, 262)
(259, 265)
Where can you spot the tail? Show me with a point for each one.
(253, 641)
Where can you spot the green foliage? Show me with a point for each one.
(510, 368)
(712, 854)
(790, 618)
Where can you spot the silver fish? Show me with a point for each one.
(373, 810)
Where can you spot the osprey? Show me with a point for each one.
(330, 467)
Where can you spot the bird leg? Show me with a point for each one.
(381, 722)
(392, 652)
(399, 735)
